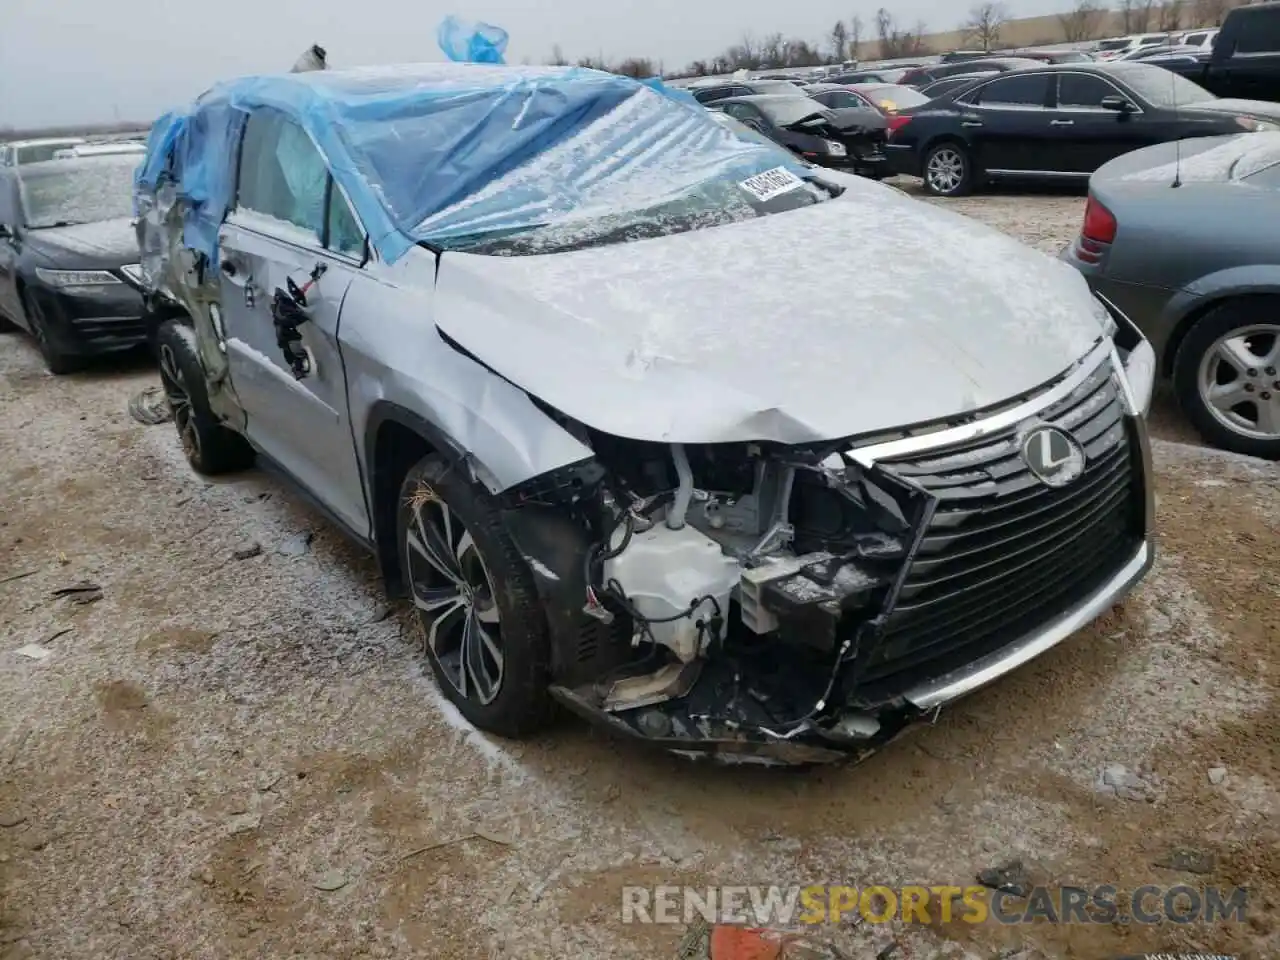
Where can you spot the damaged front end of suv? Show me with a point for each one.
(771, 604)
(622, 432)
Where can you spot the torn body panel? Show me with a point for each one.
(954, 566)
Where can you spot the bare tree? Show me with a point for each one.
(890, 36)
(839, 41)
(557, 57)
(985, 22)
(772, 52)
(1171, 16)
(855, 36)
(1082, 22)
(1210, 13)
(745, 55)
(638, 67)
(1148, 15)
(913, 41)
(1135, 15)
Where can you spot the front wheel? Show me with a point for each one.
(210, 447)
(57, 360)
(948, 170)
(1227, 376)
(486, 636)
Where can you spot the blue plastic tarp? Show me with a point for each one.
(430, 152)
(466, 42)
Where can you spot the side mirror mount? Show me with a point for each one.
(1118, 104)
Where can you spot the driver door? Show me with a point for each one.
(291, 222)
(10, 214)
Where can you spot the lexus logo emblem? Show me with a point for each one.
(1052, 455)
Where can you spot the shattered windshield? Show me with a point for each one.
(710, 204)
(646, 167)
(66, 192)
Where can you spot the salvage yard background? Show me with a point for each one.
(232, 748)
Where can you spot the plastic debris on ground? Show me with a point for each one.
(150, 406)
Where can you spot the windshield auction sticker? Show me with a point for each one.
(771, 183)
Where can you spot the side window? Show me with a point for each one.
(344, 233)
(1267, 177)
(1027, 90)
(281, 173)
(1259, 32)
(712, 95)
(1081, 90)
(741, 112)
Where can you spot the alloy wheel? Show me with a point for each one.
(175, 391)
(946, 169)
(452, 589)
(1239, 380)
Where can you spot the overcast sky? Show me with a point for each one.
(68, 61)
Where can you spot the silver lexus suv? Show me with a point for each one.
(603, 388)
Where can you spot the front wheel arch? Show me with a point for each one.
(1199, 312)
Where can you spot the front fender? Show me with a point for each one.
(396, 359)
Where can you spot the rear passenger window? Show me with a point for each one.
(1029, 90)
(1083, 90)
(281, 173)
(1259, 32)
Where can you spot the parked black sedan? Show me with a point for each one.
(850, 139)
(923, 76)
(1057, 123)
(68, 256)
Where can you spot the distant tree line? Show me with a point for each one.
(81, 130)
(886, 39)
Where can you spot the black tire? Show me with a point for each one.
(518, 704)
(957, 186)
(7, 325)
(57, 361)
(210, 447)
(1262, 313)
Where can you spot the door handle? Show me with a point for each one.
(1062, 123)
(970, 123)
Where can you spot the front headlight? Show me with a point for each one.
(76, 278)
(835, 149)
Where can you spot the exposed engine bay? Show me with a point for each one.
(732, 584)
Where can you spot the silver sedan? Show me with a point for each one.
(1182, 237)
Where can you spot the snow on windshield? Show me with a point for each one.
(78, 191)
(1160, 87)
(1233, 159)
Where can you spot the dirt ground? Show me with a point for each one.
(226, 757)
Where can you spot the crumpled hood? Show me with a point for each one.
(854, 315)
(855, 118)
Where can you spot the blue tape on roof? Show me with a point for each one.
(431, 152)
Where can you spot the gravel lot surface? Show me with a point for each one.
(225, 757)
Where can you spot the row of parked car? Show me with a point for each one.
(628, 437)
